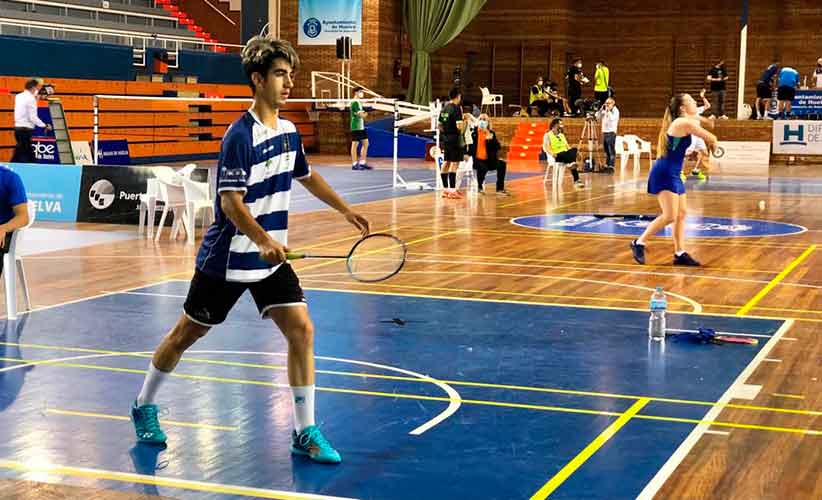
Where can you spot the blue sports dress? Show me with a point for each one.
(665, 172)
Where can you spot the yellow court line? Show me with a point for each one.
(391, 228)
(779, 277)
(465, 383)
(575, 463)
(611, 238)
(489, 292)
(479, 402)
(544, 304)
(733, 425)
(181, 484)
(789, 396)
(176, 423)
(407, 244)
(558, 207)
(763, 308)
(564, 261)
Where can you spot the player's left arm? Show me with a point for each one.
(316, 185)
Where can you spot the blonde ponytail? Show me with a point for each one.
(662, 140)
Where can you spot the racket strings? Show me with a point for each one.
(376, 258)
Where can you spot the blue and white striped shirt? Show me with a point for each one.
(261, 162)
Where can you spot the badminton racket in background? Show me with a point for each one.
(376, 257)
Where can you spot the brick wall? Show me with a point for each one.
(373, 60)
(653, 47)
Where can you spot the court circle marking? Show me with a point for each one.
(696, 226)
(454, 398)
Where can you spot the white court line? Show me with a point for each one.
(454, 403)
(687, 445)
(697, 307)
(91, 297)
(720, 433)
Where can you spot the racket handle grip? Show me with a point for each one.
(294, 255)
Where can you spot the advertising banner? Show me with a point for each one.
(53, 189)
(797, 137)
(323, 21)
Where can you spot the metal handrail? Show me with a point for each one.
(74, 6)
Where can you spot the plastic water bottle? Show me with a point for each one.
(656, 323)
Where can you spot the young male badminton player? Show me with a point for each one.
(678, 124)
(245, 248)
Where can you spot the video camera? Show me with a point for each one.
(46, 90)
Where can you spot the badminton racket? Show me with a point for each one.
(376, 257)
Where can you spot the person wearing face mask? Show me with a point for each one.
(609, 117)
(717, 76)
(538, 98)
(555, 143)
(817, 73)
(359, 136)
(484, 150)
(575, 81)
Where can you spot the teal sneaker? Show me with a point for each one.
(311, 443)
(146, 424)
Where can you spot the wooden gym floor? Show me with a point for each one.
(470, 249)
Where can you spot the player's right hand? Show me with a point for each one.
(272, 252)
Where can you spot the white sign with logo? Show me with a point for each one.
(321, 22)
(82, 153)
(743, 157)
(797, 137)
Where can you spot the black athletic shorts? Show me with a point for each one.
(210, 298)
(452, 150)
(763, 90)
(785, 93)
(359, 135)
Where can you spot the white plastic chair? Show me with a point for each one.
(556, 169)
(489, 99)
(173, 198)
(186, 171)
(148, 208)
(643, 146)
(13, 267)
(626, 148)
(197, 200)
(465, 170)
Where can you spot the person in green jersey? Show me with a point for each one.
(602, 80)
(359, 137)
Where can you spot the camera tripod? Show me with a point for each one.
(589, 151)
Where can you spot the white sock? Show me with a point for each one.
(151, 383)
(679, 253)
(354, 164)
(362, 162)
(303, 407)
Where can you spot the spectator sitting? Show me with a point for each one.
(484, 150)
(555, 143)
(538, 97)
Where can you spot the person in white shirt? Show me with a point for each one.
(698, 151)
(25, 119)
(817, 73)
(609, 116)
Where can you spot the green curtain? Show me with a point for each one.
(431, 25)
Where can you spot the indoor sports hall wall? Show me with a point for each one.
(373, 60)
(652, 47)
(24, 56)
